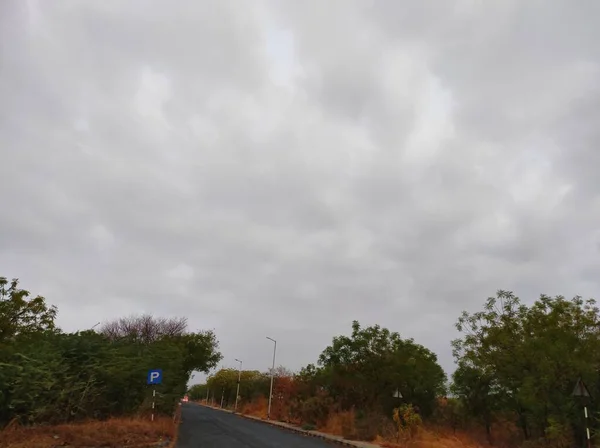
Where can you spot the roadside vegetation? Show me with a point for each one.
(517, 367)
(51, 377)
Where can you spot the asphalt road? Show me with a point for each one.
(203, 427)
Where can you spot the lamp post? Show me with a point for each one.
(272, 374)
(238, 384)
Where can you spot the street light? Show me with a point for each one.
(272, 374)
(238, 385)
(95, 326)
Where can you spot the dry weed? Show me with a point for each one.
(114, 433)
(256, 408)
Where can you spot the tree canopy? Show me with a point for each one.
(367, 367)
(522, 362)
(47, 375)
(21, 315)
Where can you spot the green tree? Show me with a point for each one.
(21, 315)
(365, 368)
(475, 389)
(48, 376)
(223, 383)
(198, 392)
(523, 362)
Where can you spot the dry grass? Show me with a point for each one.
(429, 439)
(114, 433)
(341, 422)
(256, 408)
(338, 423)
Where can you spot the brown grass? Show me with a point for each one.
(336, 423)
(432, 439)
(340, 422)
(256, 408)
(114, 433)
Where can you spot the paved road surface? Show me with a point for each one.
(202, 427)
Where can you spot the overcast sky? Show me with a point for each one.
(280, 168)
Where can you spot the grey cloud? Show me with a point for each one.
(392, 163)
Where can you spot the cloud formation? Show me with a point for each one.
(282, 168)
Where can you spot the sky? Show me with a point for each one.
(282, 168)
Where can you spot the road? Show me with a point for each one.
(202, 427)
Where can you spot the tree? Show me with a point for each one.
(198, 392)
(20, 315)
(475, 388)
(365, 368)
(144, 328)
(54, 377)
(523, 361)
(253, 384)
(200, 350)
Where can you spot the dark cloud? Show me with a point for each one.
(282, 168)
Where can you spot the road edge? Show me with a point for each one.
(176, 425)
(320, 435)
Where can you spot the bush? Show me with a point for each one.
(315, 410)
(48, 376)
(367, 426)
(408, 422)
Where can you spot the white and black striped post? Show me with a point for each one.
(587, 427)
(581, 391)
(153, 400)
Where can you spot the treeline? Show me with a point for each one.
(517, 367)
(50, 376)
(521, 363)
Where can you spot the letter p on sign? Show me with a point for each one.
(155, 376)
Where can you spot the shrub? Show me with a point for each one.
(315, 410)
(408, 422)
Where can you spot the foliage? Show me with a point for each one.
(521, 363)
(408, 421)
(516, 367)
(223, 385)
(450, 413)
(20, 315)
(364, 369)
(48, 376)
(197, 392)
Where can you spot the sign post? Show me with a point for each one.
(582, 392)
(237, 394)
(154, 377)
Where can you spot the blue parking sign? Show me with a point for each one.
(155, 376)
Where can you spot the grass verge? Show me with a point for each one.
(113, 433)
(339, 424)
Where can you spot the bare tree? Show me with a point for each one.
(144, 328)
(283, 372)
